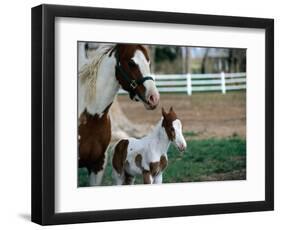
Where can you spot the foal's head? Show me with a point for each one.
(133, 74)
(173, 128)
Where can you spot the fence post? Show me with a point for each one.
(188, 84)
(223, 89)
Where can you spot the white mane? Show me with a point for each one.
(156, 128)
(88, 73)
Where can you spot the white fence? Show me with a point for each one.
(188, 83)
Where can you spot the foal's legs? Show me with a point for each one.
(123, 179)
(128, 179)
(158, 179)
(147, 178)
(118, 179)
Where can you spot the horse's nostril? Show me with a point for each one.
(152, 99)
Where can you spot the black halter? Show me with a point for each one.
(133, 84)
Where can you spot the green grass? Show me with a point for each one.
(190, 134)
(204, 160)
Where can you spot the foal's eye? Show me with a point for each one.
(132, 64)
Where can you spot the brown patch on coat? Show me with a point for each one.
(146, 177)
(167, 123)
(154, 168)
(138, 161)
(120, 155)
(159, 166)
(94, 134)
(163, 163)
(126, 53)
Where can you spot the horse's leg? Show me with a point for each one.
(96, 178)
(128, 179)
(147, 178)
(92, 179)
(118, 179)
(158, 179)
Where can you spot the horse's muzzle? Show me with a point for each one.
(152, 100)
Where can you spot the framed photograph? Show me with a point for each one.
(142, 114)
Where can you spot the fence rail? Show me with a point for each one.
(188, 83)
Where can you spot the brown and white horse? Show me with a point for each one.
(147, 156)
(112, 67)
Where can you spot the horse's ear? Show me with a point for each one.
(171, 109)
(112, 50)
(163, 112)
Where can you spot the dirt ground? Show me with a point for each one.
(203, 115)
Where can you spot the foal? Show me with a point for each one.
(147, 156)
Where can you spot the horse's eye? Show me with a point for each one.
(132, 64)
(172, 129)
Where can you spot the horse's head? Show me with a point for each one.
(173, 128)
(133, 74)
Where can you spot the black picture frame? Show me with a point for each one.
(43, 113)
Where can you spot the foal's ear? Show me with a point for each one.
(171, 109)
(163, 112)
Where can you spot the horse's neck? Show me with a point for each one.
(158, 139)
(106, 88)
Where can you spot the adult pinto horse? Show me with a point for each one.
(112, 67)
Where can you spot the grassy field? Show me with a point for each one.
(204, 160)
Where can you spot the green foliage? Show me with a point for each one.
(163, 53)
(83, 177)
(204, 160)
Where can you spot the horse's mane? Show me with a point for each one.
(155, 129)
(88, 73)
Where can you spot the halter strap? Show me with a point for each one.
(133, 84)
